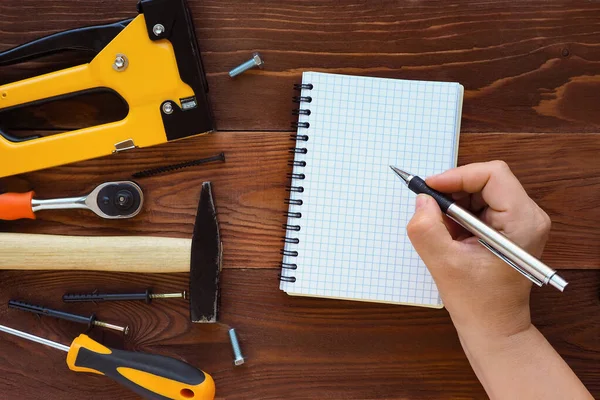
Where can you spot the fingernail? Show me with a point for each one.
(421, 201)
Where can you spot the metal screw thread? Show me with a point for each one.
(255, 61)
(235, 345)
(181, 295)
(124, 329)
(242, 68)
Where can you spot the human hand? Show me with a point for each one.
(482, 293)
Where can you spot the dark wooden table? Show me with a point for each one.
(531, 72)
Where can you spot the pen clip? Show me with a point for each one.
(512, 264)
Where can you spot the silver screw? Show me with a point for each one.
(158, 29)
(255, 61)
(167, 108)
(121, 63)
(235, 345)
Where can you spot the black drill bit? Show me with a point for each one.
(147, 296)
(89, 321)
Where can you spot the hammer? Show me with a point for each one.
(201, 255)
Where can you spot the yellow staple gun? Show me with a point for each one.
(152, 61)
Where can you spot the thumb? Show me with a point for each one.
(427, 231)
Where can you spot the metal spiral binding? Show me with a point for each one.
(297, 189)
(300, 125)
(300, 111)
(295, 137)
(288, 227)
(295, 176)
(295, 202)
(297, 150)
(302, 99)
(297, 163)
(300, 86)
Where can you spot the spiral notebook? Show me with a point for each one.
(346, 228)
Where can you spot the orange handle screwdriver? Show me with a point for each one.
(149, 375)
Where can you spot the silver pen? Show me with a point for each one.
(532, 268)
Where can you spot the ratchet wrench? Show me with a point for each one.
(110, 200)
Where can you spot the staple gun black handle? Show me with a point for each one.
(90, 39)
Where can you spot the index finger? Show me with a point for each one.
(499, 187)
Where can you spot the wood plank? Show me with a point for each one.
(526, 66)
(560, 172)
(295, 347)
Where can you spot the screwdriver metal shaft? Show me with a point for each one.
(34, 338)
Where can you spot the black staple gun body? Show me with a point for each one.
(151, 61)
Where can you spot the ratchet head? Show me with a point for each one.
(116, 200)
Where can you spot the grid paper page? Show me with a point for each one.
(352, 237)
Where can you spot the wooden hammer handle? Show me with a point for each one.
(115, 253)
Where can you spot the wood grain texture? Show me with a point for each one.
(296, 348)
(560, 172)
(531, 70)
(26, 251)
(526, 66)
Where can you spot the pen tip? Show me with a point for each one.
(405, 176)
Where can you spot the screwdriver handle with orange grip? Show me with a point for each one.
(151, 376)
(16, 206)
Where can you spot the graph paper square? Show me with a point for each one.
(352, 242)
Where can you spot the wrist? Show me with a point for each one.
(493, 326)
(520, 365)
(492, 339)
(497, 312)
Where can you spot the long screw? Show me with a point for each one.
(89, 321)
(255, 61)
(174, 167)
(146, 296)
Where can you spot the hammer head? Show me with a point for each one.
(205, 267)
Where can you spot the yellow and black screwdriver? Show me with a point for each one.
(149, 375)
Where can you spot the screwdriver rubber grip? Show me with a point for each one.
(149, 375)
(16, 206)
